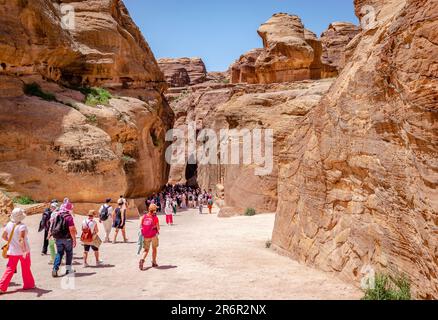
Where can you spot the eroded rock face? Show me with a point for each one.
(244, 70)
(357, 178)
(334, 41)
(243, 106)
(183, 72)
(58, 146)
(287, 55)
(6, 207)
(105, 47)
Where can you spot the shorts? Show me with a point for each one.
(88, 246)
(150, 241)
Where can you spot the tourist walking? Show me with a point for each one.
(169, 212)
(200, 203)
(64, 232)
(90, 238)
(106, 218)
(45, 225)
(17, 250)
(119, 218)
(150, 228)
(210, 204)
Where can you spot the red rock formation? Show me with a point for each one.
(59, 146)
(287, 55)
(358, 182)
(183, 72)
(244, 70)
(334, 42)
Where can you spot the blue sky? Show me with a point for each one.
(219, 31)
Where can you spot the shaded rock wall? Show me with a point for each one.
(358, 176)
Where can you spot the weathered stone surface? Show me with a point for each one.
(105, 47)
(6, 207)
(287, 55)
(357, 176)
(239, 107)
(182, 72)
(334, 41)
(244, 70)
(57, 148)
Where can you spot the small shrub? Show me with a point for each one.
(92, 119)
(34, 89)
(96, 96)
(155, 140)
(182, 96)
(389, 288)
(128, 159)
(268, 244)
(250, 212)
(24, 200)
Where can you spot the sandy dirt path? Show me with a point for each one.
(200, 257)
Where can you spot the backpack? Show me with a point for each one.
(87, 234)
(148, 228)
(59, 227)
(104, 213)
(45, 220)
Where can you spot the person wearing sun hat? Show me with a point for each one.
(18, 250)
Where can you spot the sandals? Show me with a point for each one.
(154, 265)
(141, 265)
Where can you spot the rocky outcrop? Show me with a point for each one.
(287, 55)
(103, 48)
(6, 207)
(293, 53)
(242, 106)
(183, 72)
(334, 42)
(358, 175)
(244, 69)
(52, 143)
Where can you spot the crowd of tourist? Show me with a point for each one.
(60, 233)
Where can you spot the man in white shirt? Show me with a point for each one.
(106, 218)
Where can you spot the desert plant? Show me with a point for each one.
(24, 200)
(155, 140)
(389, 288)
(268, 244)
(128, 159)
(34, 89)
(250, 212)
(92, 119)
(96, 96)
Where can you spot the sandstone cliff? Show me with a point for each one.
(358, 176)
(52, 143)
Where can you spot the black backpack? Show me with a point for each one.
(104, 213)
(59, 227)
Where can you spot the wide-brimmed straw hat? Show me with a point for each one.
(17, 215)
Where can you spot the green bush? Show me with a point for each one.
(250, 212)
(128, 159)
(34, 89)
(24, 200)
(96, 96)
(92, 119)
(389, 288)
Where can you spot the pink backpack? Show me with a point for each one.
(148, 228)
